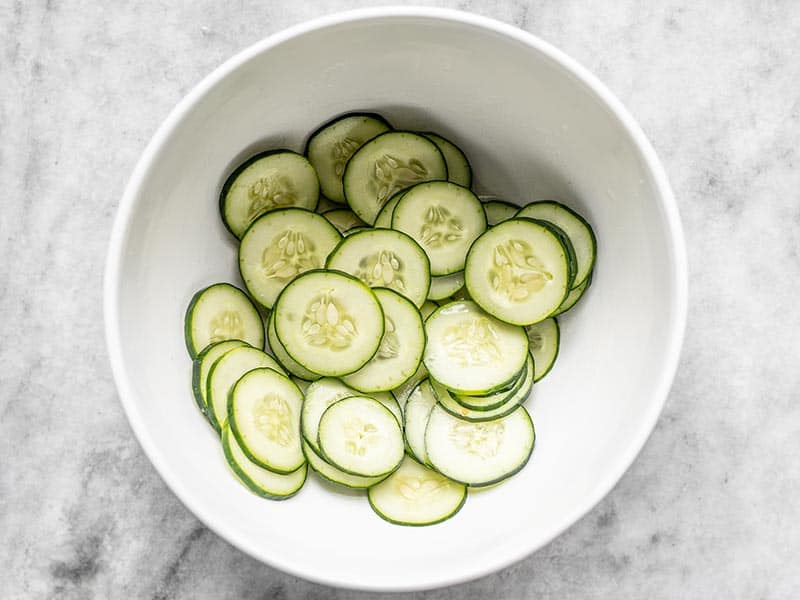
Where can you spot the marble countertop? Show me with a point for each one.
(712, 506)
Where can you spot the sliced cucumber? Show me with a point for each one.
(426, 310)
(359, 435)
(445, 286)
(221, 312)
(324, 205)
(518, 271)
(496, 399)
(329, 322)
(330, 473)
(384, 218)
(574, 226)
(444, 218)
(416, 495)
(470, 351)
(459, 170)
(270, 180)
(324, 392)
(286, 361)
(202, 365)
(281, 245)
(343, 219)
(415, 417)
(575, 294)
(449, 402)
(498, 211)
(331, 146)
(259, 480)
(543, 338)
(224, 374)
(479, 454)
(400, 352)
(301, 384)
(385, 258)
(387, 164)
(402, 392)
(264, 417)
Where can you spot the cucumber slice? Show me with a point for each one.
(426, 310)
(459, 170)
(258, 480)
(402, 392)
(479, 454)
(224, 374)
(445, 219)
(449, 402)
(543, 338)
(331, 146)
(343, 219)
(445, 286)
(388, 163)
(329, 322)
(324, 205)
(574, 226)
(384, 218)
(518, 271)
(270, 180)
(575, 294)
(496, 399)
(498, 211)
(330, 473)
(324, 392)
(416, 495)
(221, 312)
(400, 352)
(286, 361)
(301, 384)
(264, 417)
(416, 413)
(202, 365)
(471, 352)
(359, 435)
(281, 245)
(385, 258)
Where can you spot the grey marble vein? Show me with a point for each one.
(712, 506)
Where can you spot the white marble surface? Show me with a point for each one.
(711, 508)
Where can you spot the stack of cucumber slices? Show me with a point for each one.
(407, 320)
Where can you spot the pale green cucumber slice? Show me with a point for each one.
(543, 338)
(459, 170)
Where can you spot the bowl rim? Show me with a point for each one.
(676, 250)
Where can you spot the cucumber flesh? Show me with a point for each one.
(331, 146)
(444, 218)
(286, 361)
(426, 310)
(258, 480)
(387, 164)
(385, 258)
(543, 338)
(518, 271)
(459, 170)
(270, 180)
(416, 413)
(329, 322)
(402, 392)
(221, 312)
(343, 219)
(281, 245)
(445, 286)
(416, 495)
(359, 435)
(496, 399)
(575, 294)
(384, 218)
(471, 352)
(479, 454)
(574, 226)
(264, 417)
(330, 473)
(224, 374)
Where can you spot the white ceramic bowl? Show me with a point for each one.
(535, 125)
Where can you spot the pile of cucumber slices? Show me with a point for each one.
(407, 320)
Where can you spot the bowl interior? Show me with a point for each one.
(532, 129)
